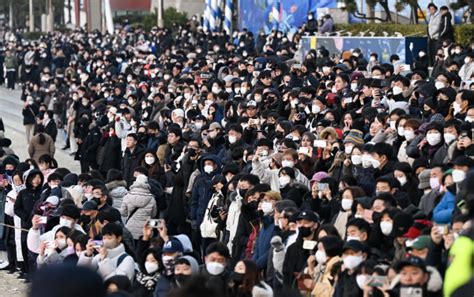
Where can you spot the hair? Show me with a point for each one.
(40, 133)
(114, 175)
(112, 229)
(142, 170)
(251, 278)
(383, 149)
(332, 245)
(63, 230)
(250, 178)
(54, 176)
(102, 188)
(121, 281)
(356, 192)
(133, 135)
(218, 247)
(96, 175)
(361, 224)
(46, 158)
(329, 229)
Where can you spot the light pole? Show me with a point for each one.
(159, 13)
(32, 18)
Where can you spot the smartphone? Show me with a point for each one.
(98, 244)
(309, 244)
(303, 150)
(154, 223)
(411, 292)
(323, 186)
(302, 115)
(377, 281)
(43, 220)
(297, 66)
(320, 143)
(442, 229)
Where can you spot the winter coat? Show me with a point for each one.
(446, 27)
(111, 152)
(117, 190)
(111, 266)
(51, 129)
(346, 286)
(29, 114)
(138, 206)
(434, 26)
(262, 290)
(26, 200)
(35, 149)
(324, 286)
(90, 145)
(428, 202)
(270, 176)
(202, 192)
(262, 246)
(130, 161)
(443, 212)
(295, 261)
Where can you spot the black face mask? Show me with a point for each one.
(96, 200)
(182, 279)
(85, 219)
(192, 152)
(241, 192)
(452, 188)
(237, 278)
(253, 204)
(304, 231)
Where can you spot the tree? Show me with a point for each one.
(463, 3)
(352, 8)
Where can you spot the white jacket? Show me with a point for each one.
(270, 176)
(233, 216)
(109, 266)
(208, 226)
(34, 238)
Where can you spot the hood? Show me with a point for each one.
(31, 174)
(185, 242)
(194, 264)
(115, 184)
(141, 196)
(213, 158)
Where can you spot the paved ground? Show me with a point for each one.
(10, 111)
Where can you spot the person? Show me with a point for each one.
(446, 32)
(434, 23)
(11, 65)
(215, 262)
(246, 280)
(138, 205)
(327, 24)
(131, 157)
(41, 144)
(29, 112)
(111, 258)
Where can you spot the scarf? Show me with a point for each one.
(148, 281)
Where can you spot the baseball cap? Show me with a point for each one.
(421, 242)
(89, 205)
(412, 261)
(308, 215)
(172, 246)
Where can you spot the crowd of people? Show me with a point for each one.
(216, 165)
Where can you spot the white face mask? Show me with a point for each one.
(346, 204)
(232, 139)
(62, 244)
(351, 262)
(397, 90)
(315, 109)
(457, 108)
(433, 138)
(439, 85)
(187, 96)
(215, 90)
(401, 131)
(349, 238)
(348, 149)
(65, 222)
(375, 163)
(354, 87)
(286, 163)
(321, 257)
(458, 175)
(467, 60)
(356, 159)
(366, 161)
(361, 279)
(434, 183)
(409, 135)
(149, 160)
(386, 227)
(469, 119)
(267, 207)
(151, 267)
(284, 180)
(449, 137)
(402, 180)
(215, 268)
(208, 169)
(393, 125)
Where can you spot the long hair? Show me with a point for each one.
(40, 133)
(251, 278)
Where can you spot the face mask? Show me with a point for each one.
(346, 204)
(243, 90)
(216, 90)
(187, 96)
(421, 54)
(349, 238)
(386, 227)
(372, 59)
(149, 160)
(434, 183)
(409, 135)
(354, 87)
(182, 278)
(321, 257)
(469, 119)
(467, 60)
(208, 169)
(433, 138)
(458, 175)
(366, 161)
(375, 163)
(109, 244)
(448, 138)
(304, 231)
(232, 139)
(397, 90)
(351, 262)
(402, 180)
(286, 163)
(237, 278)
(61, 243)
(151, 267)
(457, 108)
(393, 125)
(356, 159)
(65, 222)
(284, 180)
(267, 207)
(215, 268)
(401, 131)
(348, 149)
(439, 85)
(361, 279)
(315, 109)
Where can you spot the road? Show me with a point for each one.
(10, 112)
